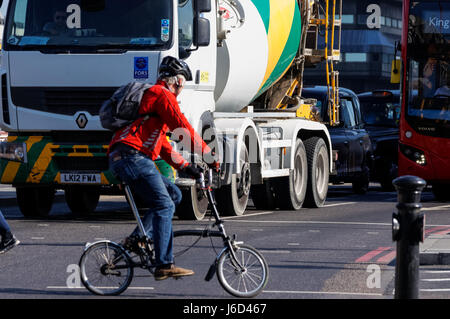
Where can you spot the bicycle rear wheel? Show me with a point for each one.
(106, 269)
(244, 282)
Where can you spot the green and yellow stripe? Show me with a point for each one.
(41, 167)
(283, 26)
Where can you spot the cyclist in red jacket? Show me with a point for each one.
(133, 150)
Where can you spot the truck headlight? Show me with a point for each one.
(12, 151)
(413, 154)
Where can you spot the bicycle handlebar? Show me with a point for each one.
(203, 182)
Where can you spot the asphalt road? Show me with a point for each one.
(341, 251)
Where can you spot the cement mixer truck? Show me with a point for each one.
(63, 58)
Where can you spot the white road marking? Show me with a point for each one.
(321, 293)
(275, 251)
(69, 288)
(310, 222)
(436, 290)
(435, 208)
(37, 238)
(248, 215)
(436, 279)
(339, 204)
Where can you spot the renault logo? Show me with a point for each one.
(81, 120)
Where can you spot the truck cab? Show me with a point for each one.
(63, 58)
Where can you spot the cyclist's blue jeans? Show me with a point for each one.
(4, 227)
(161, 196)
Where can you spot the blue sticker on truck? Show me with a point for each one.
(141, 67)
(165, 30)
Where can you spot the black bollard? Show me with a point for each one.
(408, 232)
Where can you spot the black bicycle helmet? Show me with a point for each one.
(171, 66)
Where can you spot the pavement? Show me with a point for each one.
(435, 250)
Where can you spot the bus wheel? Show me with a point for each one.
(82, 200)
(318, 172)
(232, 199)
(35, 201)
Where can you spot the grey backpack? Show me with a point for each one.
(123, 107)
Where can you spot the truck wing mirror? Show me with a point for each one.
(202, 6)
(202, 33)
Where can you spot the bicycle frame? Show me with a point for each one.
(229, 243)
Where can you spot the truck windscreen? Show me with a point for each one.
(89, 25)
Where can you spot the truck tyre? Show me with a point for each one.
(193, 206)
(263, 196)
(318, 172)
(232, 199)
(35, 201)
(82, 200)
(293, 197)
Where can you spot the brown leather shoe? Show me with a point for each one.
(171, 270)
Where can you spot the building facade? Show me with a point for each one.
(370, 29)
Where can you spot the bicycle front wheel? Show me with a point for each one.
(247, 279)
(106, 269)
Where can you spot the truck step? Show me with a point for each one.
(276, 143)
(270, 173)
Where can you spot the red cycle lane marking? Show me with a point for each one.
(371, 254)
(442, 232)
(386, 259)
(437, 228)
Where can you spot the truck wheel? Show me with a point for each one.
(35, 201)
(263, 196)
(318, 172)
(82, 200)
(193, 206)
(293, 197)
(232, 199)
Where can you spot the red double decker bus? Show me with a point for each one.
(424, 144)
